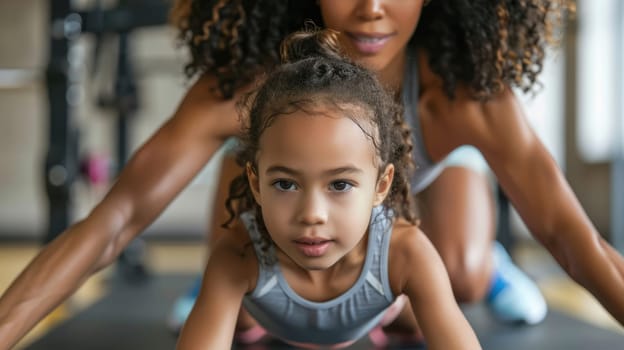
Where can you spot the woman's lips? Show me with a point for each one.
(369, 43)
(313, 247)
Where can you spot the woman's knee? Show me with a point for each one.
(470, 273)
(459, 219)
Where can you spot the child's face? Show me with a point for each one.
(317, 183)
(373, 33)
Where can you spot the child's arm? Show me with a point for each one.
(417, 271)
(157, 172)
(231, 272)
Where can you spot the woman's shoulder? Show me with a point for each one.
(436, 106)
(204, 108)
(451, 121)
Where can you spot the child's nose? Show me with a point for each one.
(313, 209)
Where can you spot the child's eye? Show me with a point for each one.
(285, 185)
(340, 186)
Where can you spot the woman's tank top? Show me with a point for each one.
(426, 170)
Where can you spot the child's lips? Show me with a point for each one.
(313, 247)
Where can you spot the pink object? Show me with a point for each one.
(381, 339)
(96, 168)
(378, 337)
(250, 336)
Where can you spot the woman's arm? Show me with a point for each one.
(231, 272)
(536, 187)
(158, 171)
(417, 271)
(541, 195)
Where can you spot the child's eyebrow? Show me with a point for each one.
(281, 169)
(345, 170)
(349, 169)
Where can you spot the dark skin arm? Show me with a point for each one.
(531, 179)
(158, 171)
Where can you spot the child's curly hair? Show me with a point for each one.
(314, 74)
(485, 44)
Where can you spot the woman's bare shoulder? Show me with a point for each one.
(451, 121)
(205, 109)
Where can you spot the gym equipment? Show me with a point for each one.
(62, 164)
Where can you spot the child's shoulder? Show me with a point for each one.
(235, 250)
(405, 236)
(410, 250)
(236, 239)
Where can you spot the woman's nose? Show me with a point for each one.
(370, 10)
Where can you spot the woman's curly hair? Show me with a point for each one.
(484, 44)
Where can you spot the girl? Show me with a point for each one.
(454, 78)
(328, 237)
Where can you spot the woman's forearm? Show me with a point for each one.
(54, 274)
(605, 279)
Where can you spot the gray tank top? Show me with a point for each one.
(426, 170)
(285, 314)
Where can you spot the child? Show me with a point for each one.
(327, 239)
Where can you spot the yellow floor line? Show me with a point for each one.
(566, 296)
(92, 291)
(161, 258)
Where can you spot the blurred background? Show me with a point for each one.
(95, 98)
(63, 138)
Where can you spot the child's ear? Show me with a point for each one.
(254, 183)
(384, 184)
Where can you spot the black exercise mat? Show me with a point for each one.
(133, 317)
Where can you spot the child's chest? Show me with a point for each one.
(324, 285)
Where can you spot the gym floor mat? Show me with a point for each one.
(133, 316)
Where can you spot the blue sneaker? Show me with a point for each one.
(513, 297)
(182, 307)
